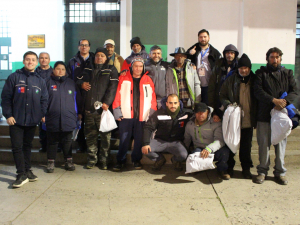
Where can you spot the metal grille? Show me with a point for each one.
(5, 29)
(88, 11)
(298, 22)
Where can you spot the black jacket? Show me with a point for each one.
(218, 76)
(24, 97)
(76, 65)
(168, 129)
(213, 56)
(269, 85)
(104, 86)
(157, 72)
(44, 73)
(63, 105)
(230, 93)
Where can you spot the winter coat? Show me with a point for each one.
(44, 73)
(128, 60)
(24, 97)
(118, 62)
(269, 85)
(209, 135)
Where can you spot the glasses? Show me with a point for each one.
(84, 45)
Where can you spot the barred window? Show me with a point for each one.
(298, 22)
(5, 27)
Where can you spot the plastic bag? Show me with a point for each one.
(195, 163)
(107, 122)
(231, 127)
(281, 125)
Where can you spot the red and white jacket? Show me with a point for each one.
(123, 103)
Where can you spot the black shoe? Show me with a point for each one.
(230, 172)
(137, 165)
(177, 165)
(281, 180)
(31, 176)
(50, 166)
(118, 166)
(69, 166)
(260, 179)
(20, 181)
(224, 175)
(159, 163)
(42, 150)
(247, 174)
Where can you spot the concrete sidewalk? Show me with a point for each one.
(142, 197)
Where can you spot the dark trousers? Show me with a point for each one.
(128, 128)
(81, 136)
(245, 150)
(43, 136)
(204, 95)
(54, 138)
(21, 141)
(221, 156)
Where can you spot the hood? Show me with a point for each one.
(231, 48)
(27, 73)
(208, 116)
(60, 79)
(164, 100)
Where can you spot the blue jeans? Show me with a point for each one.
(221, 156)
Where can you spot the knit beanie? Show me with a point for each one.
(244, 61)
(59, 63)
(103, 50)
(135, 40)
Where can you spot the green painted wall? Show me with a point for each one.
(256, 66)
(164, 49)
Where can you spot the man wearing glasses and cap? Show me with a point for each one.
(116, 59)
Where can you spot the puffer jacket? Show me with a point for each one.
(230, 93)
(209, 135)
(167, 129)
(24, 97)
(192, 81)
(127, 61)
(272, 84)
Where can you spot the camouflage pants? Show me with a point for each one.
(91, 130)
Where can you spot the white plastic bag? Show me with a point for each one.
(194, 163)
(231, 127)
(107, 122)
(281, 125)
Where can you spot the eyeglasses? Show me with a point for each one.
(84, 45)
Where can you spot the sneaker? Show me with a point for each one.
(89, 165)
(118, 166)
(224, 175)
(247, 174)
(260, 179)
(50, 166)
(31, 176)
(20, 181)
(159, 163)
(69, 166)
(281, 180)
(137, 165)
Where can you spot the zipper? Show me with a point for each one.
(146, 92)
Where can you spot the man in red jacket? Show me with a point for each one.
(135, 100)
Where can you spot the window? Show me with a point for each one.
(5, 30)
(298, 22)
(88, 11)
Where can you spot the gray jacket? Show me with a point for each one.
(208, 136)
(192, 80)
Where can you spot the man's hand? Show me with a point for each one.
(86, 86)
(11, 121)
(193, 51)
(146, 149)
(204, 153)
(123, 72)
(105, 106)
(79, 116)
(216, 118)
(43, 120)
(120, 119)
(279, 102)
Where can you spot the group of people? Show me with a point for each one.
(172, 107)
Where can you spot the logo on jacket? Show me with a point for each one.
(181, 124)
(77, 64)
(70, 92)
(54, 87)
(22, 81)
(21, 90)
(37, 91)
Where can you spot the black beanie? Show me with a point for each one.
(135, 40)
(59, 63)
(244, 61)
(103, 50)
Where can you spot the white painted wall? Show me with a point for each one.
(125, 27)
(253, 26)
(37, 17)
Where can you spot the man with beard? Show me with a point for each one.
(138, 50)
(271, 82)
(116, 59)
(204, 56)
(157, 69)
(182, 79)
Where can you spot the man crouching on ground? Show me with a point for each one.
(169, 122)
